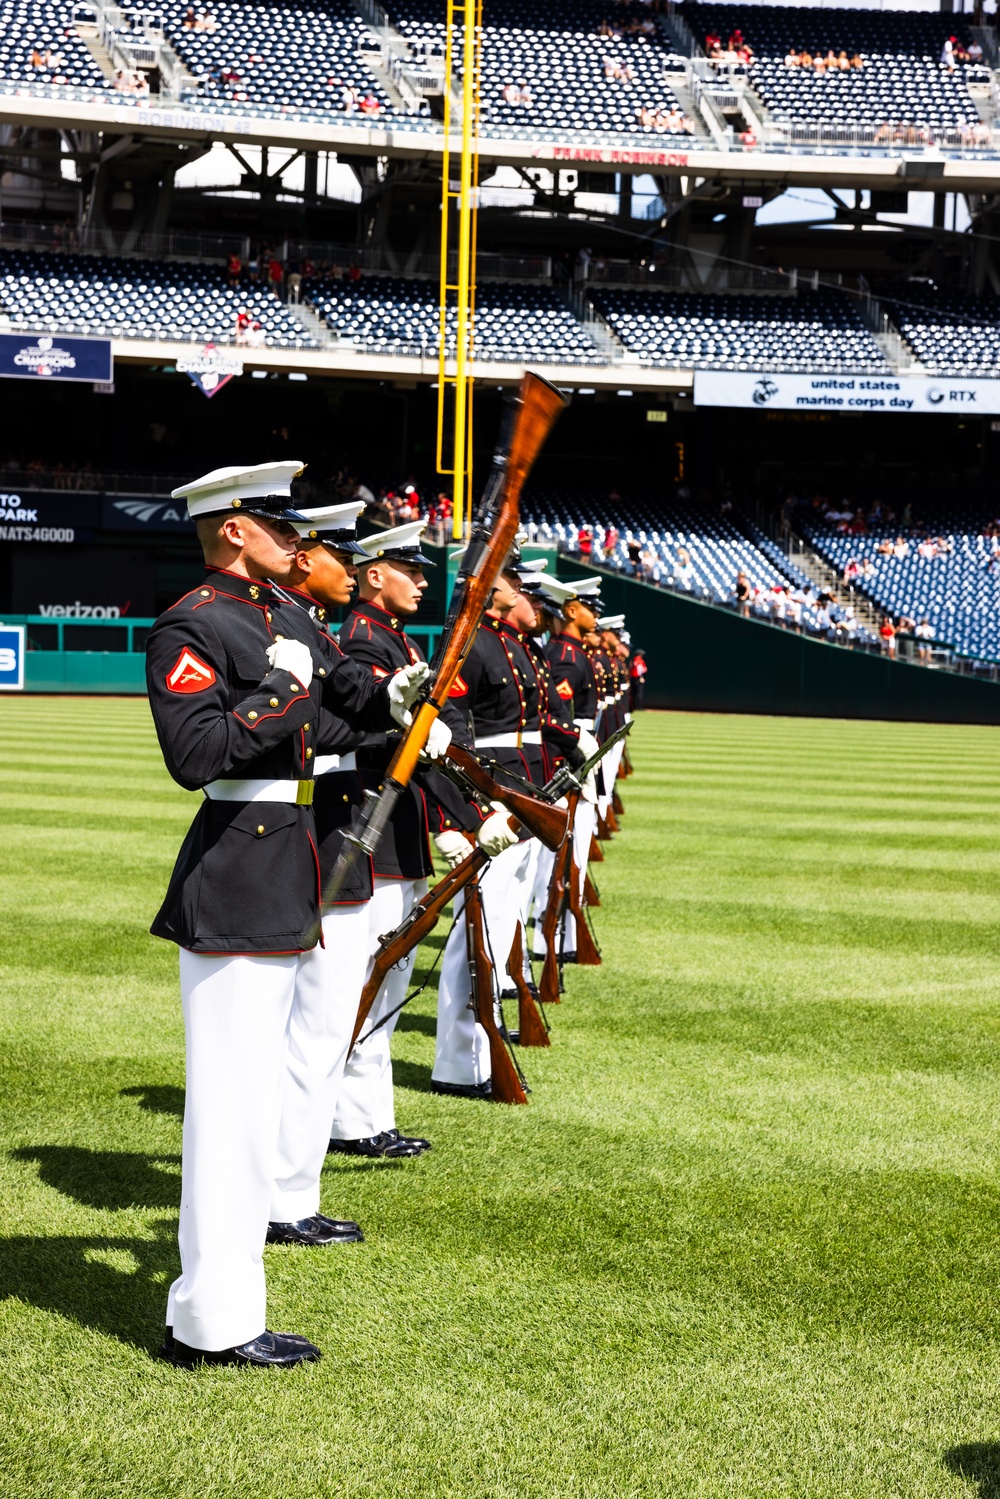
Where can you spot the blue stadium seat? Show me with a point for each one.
(138, 298)
(702, 330)
(514, 323)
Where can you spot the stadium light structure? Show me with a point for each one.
(455, 390)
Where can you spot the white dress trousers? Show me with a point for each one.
(327, 989)
(236, 1014)
(463, 1053)
(364, 1105)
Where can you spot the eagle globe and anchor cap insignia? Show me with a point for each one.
(765, 390)
(190, 674)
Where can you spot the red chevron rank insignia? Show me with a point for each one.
(458, 688)
(379, 672)
(564, 689)
(191, 674)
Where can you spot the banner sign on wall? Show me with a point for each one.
(11, 658)
(30, 356)
(210, 370)
(36, 515)
(139, 513)
(856, 393)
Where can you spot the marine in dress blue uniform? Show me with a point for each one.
(390, 583)
(238, 679)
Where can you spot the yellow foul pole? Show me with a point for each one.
(459, 201)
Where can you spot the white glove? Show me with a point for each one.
(496, 833)
(588, 744)
(588, 789)
(293, 656)
(452, 846)
(438, 741)
(404, 689)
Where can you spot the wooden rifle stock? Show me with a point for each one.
(419, 924)
(616, 803)
(590, 895)
(548, 986)
(507, 1087)
(543, 821)
(539, 405)
(530, 1025)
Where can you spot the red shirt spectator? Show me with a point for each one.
(585, 540)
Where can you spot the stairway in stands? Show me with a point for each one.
(828, 580)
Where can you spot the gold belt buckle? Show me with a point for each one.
(304, 795)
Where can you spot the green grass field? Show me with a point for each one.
(744, 1241)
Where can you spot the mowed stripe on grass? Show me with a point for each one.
(742, 1242)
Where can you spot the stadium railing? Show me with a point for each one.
(70, 655)
(180, 244)
(192, 111)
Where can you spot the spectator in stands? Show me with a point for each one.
(206, 21)
(255, 336)
(294, 282)
(793, 59)
(887, 635)
(684, 571)
(975, 53)
(275, 275)
(243, 321)
(924, 634)
(857, 61)
(234, 269)
(843, 62)
(948, 54)
(369, 105)
(901, 548)
(610, 542)
(584, 541)
(852, 570)
(637, 674)
(649, 565)
(633, 550)
(741, 589)
(190, 20)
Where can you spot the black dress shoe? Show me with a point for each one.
(463, 1090)
(406, 1144)
(390, 1143)
(271, 1350)
(315, 1232)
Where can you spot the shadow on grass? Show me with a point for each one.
(409, 1021)
(413, 1075)
(158, 1099)
(107, 1178)
(979, 1461)
(114, 1286)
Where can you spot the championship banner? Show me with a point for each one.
(210, 370)
(29, 356)
(819, 392)
(11, 658)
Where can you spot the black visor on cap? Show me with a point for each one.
(413, 555)
(338, 541)
(269, 507)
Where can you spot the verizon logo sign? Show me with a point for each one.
(77, 610)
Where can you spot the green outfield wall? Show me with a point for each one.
(704, 657)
